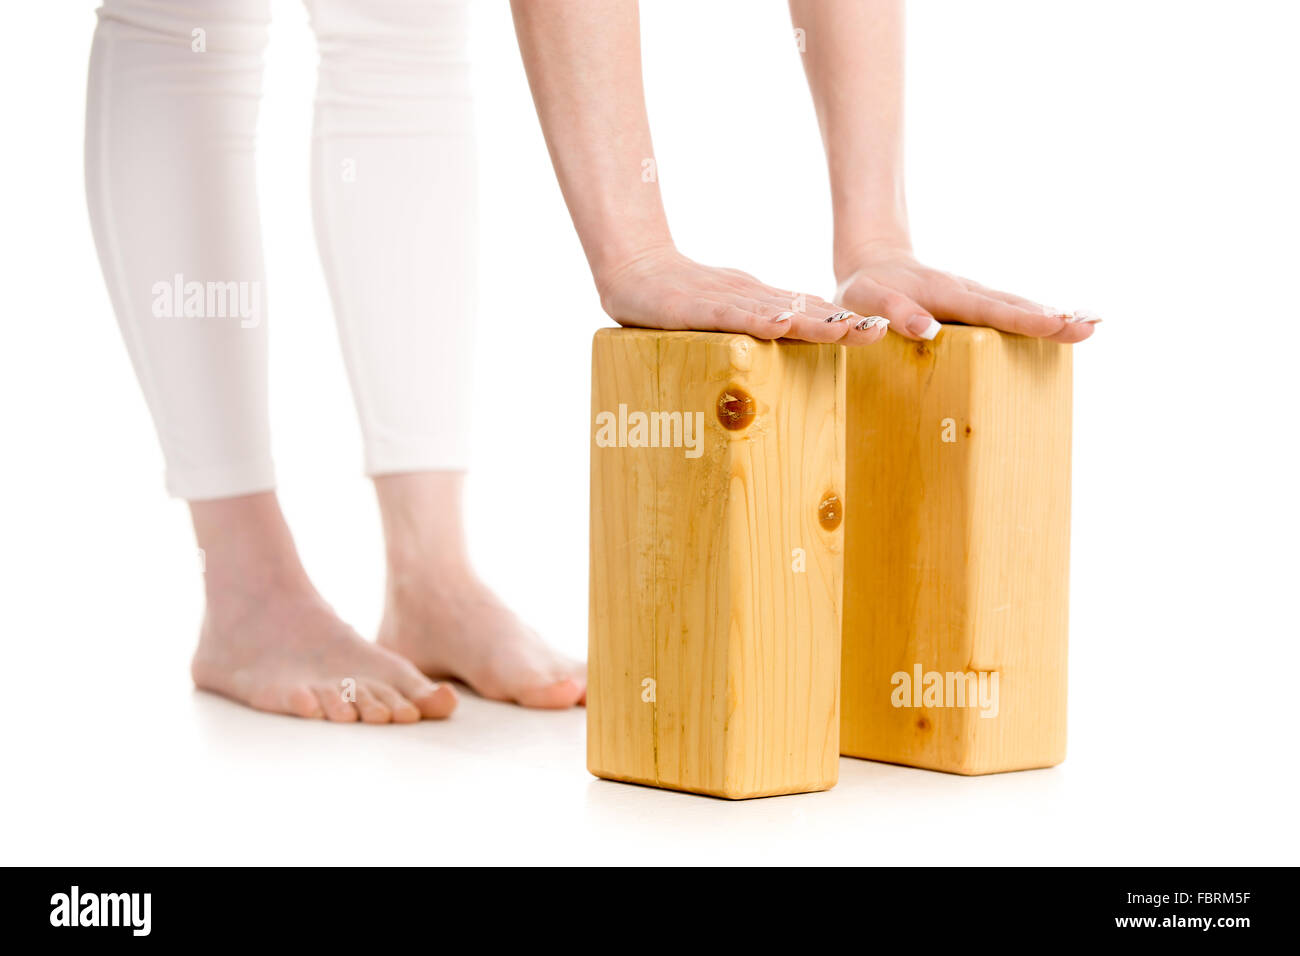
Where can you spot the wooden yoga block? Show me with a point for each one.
(957, 539)
(716, 562)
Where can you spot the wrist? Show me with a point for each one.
(852, 255)
(615, 261)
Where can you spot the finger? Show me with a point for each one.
(1076, 330)
(1072, 333)
(777, 316)
(858, 329)
(824, 324)
(1009, 297)
(807, 316)
(867, 330)
(718, 315)
(1078, 325)
(956, 303)
(905, 315)
(847, 326)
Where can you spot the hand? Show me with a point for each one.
(662, 289)
(890, 282)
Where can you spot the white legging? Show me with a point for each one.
(171, 182)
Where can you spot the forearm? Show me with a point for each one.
(583, 60)
(854, 63)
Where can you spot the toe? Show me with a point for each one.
(434, 701)
(401, 709)
(437, 703)
(280, 698)
(303, 703)
(582, 698)
(370, 707)
(559, 695)
(334, 705)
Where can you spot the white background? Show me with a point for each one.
(1138, 159)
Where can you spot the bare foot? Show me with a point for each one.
(662, 289)
(449, 624)
(271, 642)
(443, 619)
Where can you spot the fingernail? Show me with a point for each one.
(784, 317)
(871, 321)
(841, 316)
(923, 326)
(1083, 318)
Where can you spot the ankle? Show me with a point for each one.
(419, 577)
(421, 514)
(247, 548)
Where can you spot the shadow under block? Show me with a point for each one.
(956, 563)
(716, 562)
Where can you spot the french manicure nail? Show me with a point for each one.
(923, 326)
(1083, 318)
(784, 317)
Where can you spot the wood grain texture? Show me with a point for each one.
(693, 567)
(957, 552)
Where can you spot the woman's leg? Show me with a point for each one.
(394, 196)
(171, 185)
(171, 120)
